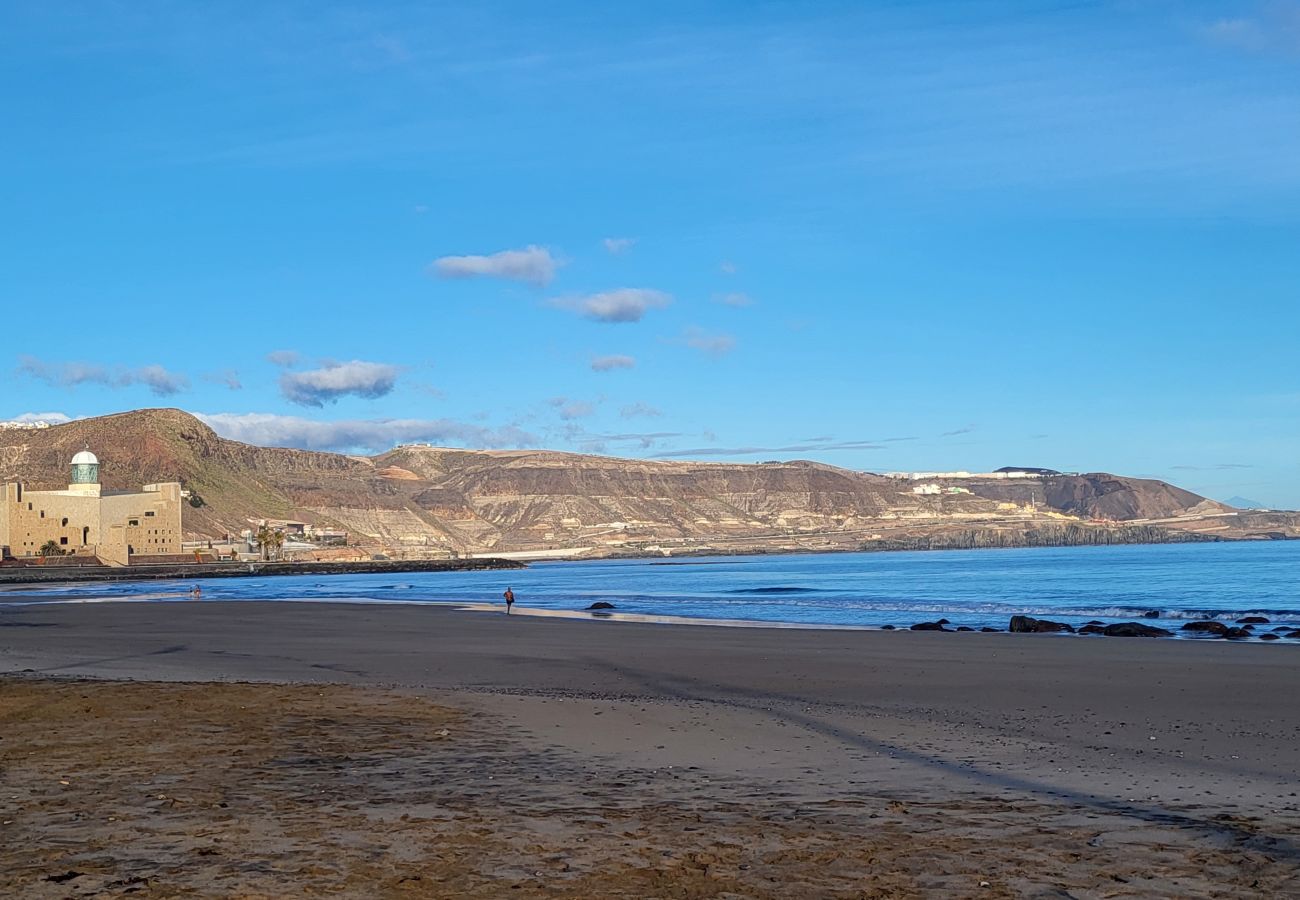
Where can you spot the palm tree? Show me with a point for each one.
(51, 548)
(268, 540)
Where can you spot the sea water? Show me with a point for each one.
(976, 588)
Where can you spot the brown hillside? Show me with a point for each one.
(432, 499)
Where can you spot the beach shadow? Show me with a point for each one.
(699, 691)
(107, 659)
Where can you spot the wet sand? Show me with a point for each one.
(600, 758)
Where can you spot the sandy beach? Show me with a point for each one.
(281, 749)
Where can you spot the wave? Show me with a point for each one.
(777, 590)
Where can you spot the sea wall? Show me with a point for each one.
(41, 575)
(1043, 536)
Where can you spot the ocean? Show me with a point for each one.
(974, 588)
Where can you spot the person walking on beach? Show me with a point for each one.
(510, 599)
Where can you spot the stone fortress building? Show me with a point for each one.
(87, 520)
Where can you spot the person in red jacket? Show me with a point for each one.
(510, 599)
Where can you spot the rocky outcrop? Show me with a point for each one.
(1207, 627)
(1030, 625)
(1134, 629)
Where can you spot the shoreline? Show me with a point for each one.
(1174, 624)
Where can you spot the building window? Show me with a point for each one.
(63, 541)
(133, 522)
(42, 514)
(65, 523)
(149, 514)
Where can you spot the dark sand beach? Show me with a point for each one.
(297, 749)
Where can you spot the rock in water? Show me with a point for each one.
(1216, 629)
(1268, 637)
(601, 604)
(1134, 629)
(886, 627)
(1151, 614)
(1253, 620)
(929, 626)
(1029, 625)
(1236, 634)
(1093, 628)
(987, 630)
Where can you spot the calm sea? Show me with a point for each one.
(975, 588)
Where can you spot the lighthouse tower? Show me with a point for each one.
(85, 474)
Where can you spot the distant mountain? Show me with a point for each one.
(422, 499)
(1243, 503)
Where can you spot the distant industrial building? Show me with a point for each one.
(86, 520)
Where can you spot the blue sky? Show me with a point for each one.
(883, 235)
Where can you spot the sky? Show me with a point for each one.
(887, 236)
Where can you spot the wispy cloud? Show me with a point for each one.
(735, 298)
(616, 246)
(226, 377)
(640, 410)
(1276, 29)
(621, 305)
(160, 381)
(599, 443)
(1219, 467)
(285, 359)
(572, 409)
(612, 362)
(357, 378)
(715, 345)
(965, 429)
(532, 265)
(270, 430)
(54, 418)
(808, 447)
(727, 267)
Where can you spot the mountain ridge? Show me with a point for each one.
(417, 499)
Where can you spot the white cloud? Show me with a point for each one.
(614, 361)
(532, 265)
(727, 267)
(712, 344)
(160, 381)
(270, 430)
(316, 387)
(621, 305)
(618, 245)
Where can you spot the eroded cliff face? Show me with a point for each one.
(434, 500)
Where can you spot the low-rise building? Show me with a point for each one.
(86, 519)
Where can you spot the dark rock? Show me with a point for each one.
(601, 604)
(1151, 614)
(964, 628)
(1268, 637)
(1029, 625)
(1253, 620)
(1093, 629)
(1246, 627)
(944, 622)
(929, 626)
(886, 627)
(1236, 634)
(1210, 627)
(988, 630)
(1094, 622)
(1134, 629)
(1294, 634)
